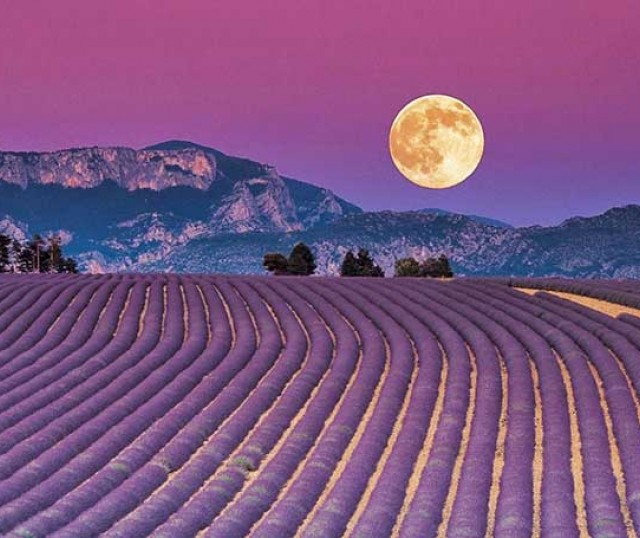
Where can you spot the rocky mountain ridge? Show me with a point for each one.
(179, 206)
(188, 186)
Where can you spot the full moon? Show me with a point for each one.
(436, 141)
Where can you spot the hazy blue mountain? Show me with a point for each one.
(606, 246)
(180, 206)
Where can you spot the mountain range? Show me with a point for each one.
(180, 206)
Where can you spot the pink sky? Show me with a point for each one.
(312, 87)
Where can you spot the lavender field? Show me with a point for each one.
(178, 406)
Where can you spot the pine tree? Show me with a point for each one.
(67, 265)
(407, 267)
(275, 263)
(301, 261)
(26, 259)
(349, 266)
(366, 265)
(5, 261)
(16, 249)
(54, 254)
(436, 267)
(445, 267)
(39, 256)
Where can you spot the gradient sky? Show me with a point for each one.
(313, 86)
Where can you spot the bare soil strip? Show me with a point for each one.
(616, 462)
(391, 443)
(301, 465)
(462, 451)
(185, 313)
(498, 462)
(538, 453)
(357, 436)
(143, 314)
(605, 307)
(423, 456)
(207, 314)
(577, 465)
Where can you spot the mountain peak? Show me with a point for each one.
(180, 145)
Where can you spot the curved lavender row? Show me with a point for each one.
(327, 451)
(628, 285)
(352, 482)
(18, 323)
(514, 513)
(183, 361)
(156, 436)
(42, 322)
(33, 369)
(35, 486)
(613, 332)
(20, 296)
(204, 505)
(602, 502)
(196, 431)
(425, 511)
(624, 414)
(115, 505)
(121, 431)
(557, 483)
(17, 297)
(471, 501)
(626, 325)
(98, 484)
(26, 418)
(297, 500)
(60, 492)
(630, 320)
(281, 360)
(191, 437)
(381, 512)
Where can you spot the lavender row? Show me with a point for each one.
(261, 383)
(177, 377)
(321, 457)
(40, 366)
(602, 501)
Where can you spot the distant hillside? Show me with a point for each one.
(180, 206)
(605, 246)
(483, 220)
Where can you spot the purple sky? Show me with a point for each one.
(313, 86)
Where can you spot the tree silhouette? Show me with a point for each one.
(407, 267)
(301, 261)
(275, 262)
(360, 265)
(349, 266)
(5, 261)
(436, 267)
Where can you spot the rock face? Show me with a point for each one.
(242, 195)
(131, 169)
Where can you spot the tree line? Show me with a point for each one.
(36, 255)
(301, 262)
